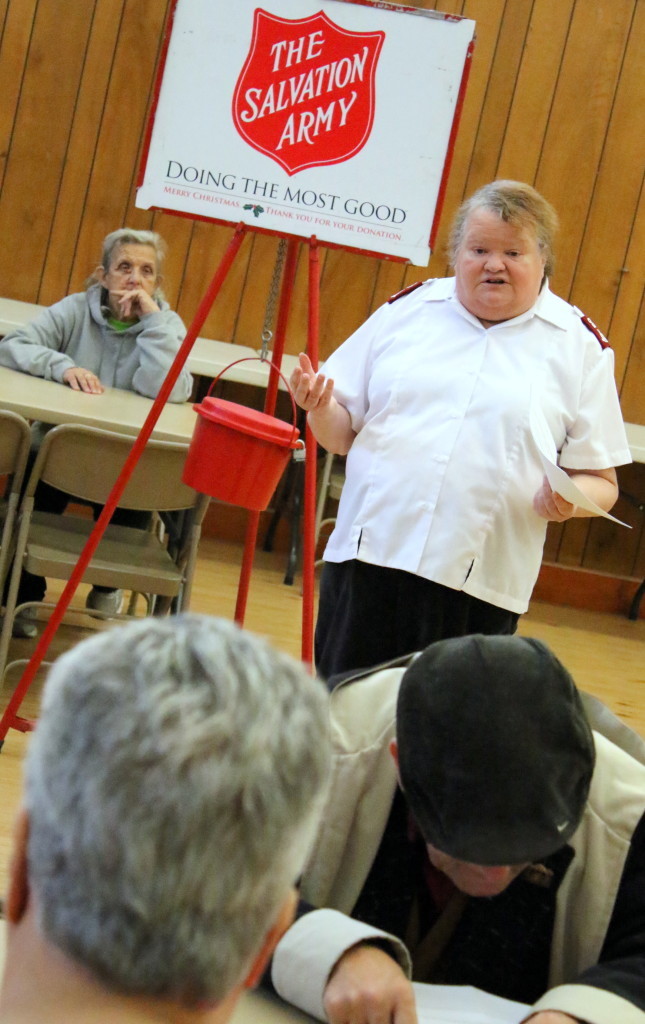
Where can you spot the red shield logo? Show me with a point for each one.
(305, 95)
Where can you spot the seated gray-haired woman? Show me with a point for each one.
(120, 333)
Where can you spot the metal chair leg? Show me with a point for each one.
(634, 607)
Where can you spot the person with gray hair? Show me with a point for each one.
(130, 236)
(119, 333)
(172, 787)
(437, 401)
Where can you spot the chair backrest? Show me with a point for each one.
(330, 485)
(15, 438)
(613, 728)
(86, 461)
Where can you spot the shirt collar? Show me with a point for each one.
(547, 306)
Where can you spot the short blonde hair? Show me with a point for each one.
(516, 203)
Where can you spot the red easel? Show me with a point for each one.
(11, 718)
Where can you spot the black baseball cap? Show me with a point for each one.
(495, 751)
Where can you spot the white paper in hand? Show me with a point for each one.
(463, 1004)
(558, 479)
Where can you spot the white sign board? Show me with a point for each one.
(325, 118)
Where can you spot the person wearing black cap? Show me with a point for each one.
(477, 832)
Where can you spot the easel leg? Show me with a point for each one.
(286, 293)
(309, 521)
(250, 541)
(311, 446)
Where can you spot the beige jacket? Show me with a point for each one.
(363, 783)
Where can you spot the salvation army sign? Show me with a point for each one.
(332, 118)
(305, 95)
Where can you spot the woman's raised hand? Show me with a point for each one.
(310, 390)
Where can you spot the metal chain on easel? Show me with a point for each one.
(267, 330)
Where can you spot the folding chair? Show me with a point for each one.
(330, 487)
(85, 462)
(15, 439)
(613, 728)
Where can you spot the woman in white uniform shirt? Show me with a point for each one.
(442, 519)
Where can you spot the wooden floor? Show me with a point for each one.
(605, 654)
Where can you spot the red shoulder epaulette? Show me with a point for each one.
(405, 291)
(597, 333)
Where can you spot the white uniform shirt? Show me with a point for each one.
(441, 476)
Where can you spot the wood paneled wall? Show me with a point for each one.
(556, 97)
